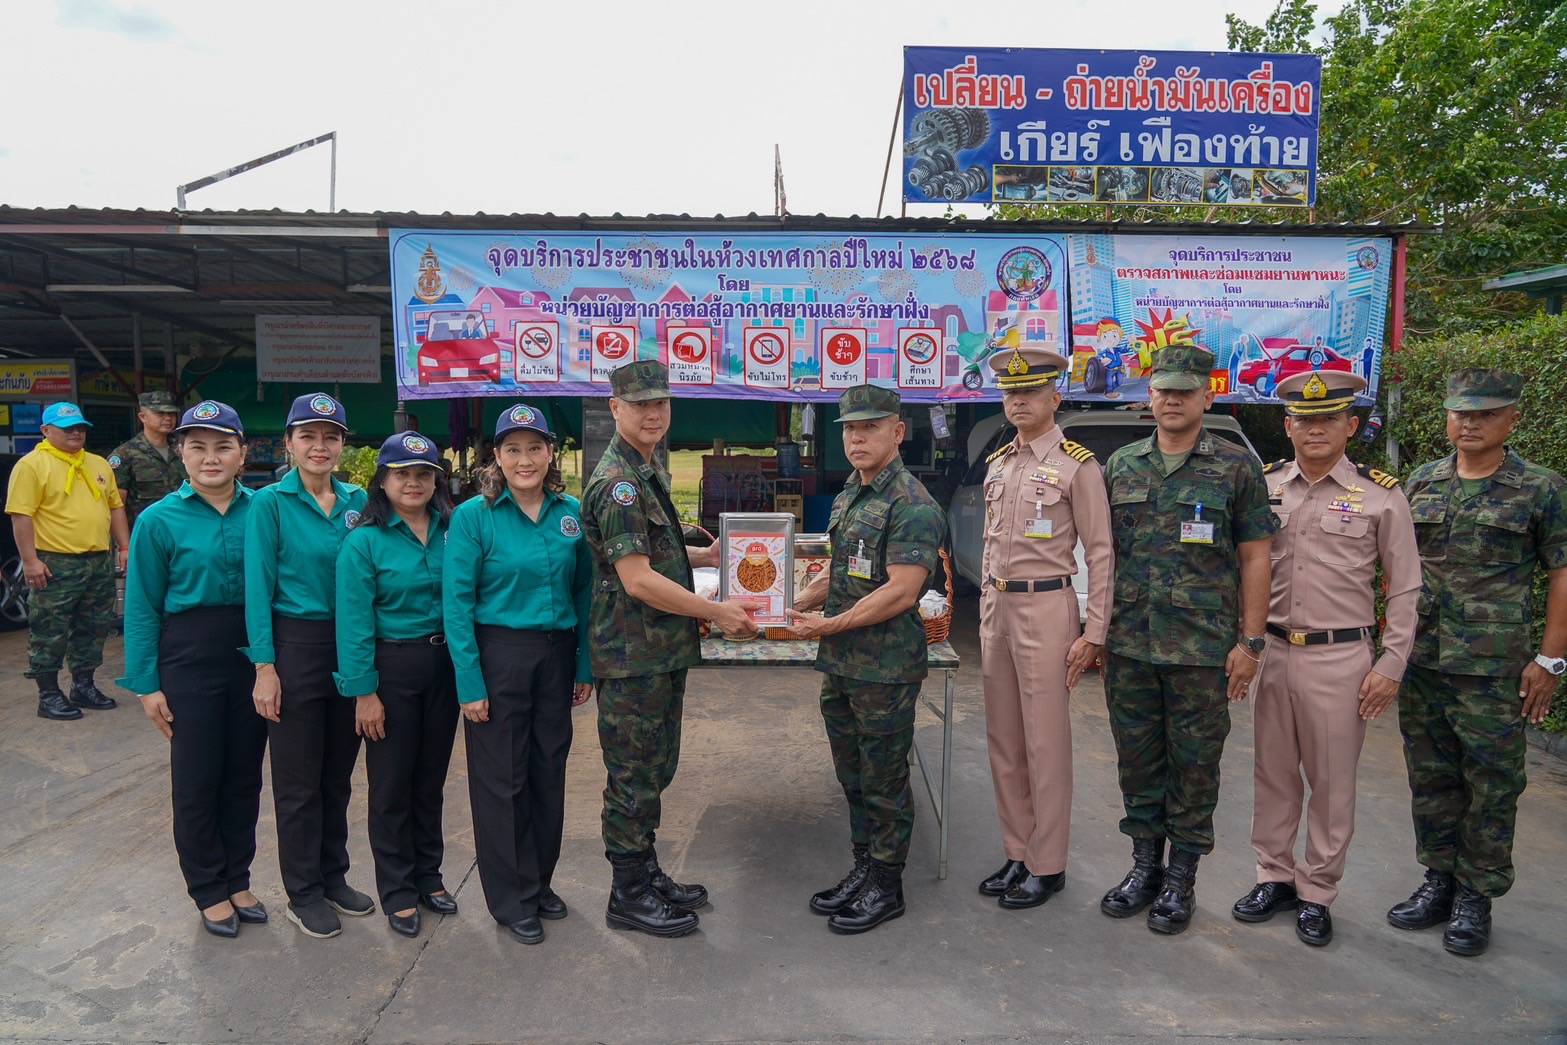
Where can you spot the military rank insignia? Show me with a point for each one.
(1076, 451)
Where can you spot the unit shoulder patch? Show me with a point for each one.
(1076, 451)
(1377, 476)
(997, 455)
(1275, 465)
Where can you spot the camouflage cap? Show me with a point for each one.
(160, 401)
(1182, 367)
(868, 403)
(640, 382)
(1482, 389)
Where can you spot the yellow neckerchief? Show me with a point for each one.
(74, 468)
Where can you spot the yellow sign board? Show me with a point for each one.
(37, 378)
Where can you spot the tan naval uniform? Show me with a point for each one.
(1307, 713)
(1041, 498)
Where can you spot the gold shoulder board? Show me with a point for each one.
(1001, 452)
(1378, 476)
(1076, 451)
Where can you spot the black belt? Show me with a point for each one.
(429, 640)
(1319, 638)
(1053, 584)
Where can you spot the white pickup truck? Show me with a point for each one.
(1102, 431)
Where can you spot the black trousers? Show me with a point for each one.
(215, 754)
(407, 769)
(517, 764)
(314, 748)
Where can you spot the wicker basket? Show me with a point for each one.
(938, 628)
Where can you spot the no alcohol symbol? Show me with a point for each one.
(535, 342)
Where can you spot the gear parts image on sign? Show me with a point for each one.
(935, 140)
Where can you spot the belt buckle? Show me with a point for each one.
(437, 640)
(1001, 585)
(1297, 638)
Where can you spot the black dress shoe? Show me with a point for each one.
(831, 900)
(408, 926)
(345, 899)
(551, 906)
(1469, 931)
(52, 704)
(1009, 875)
(256, 914)
(879, 900)
(84, 694)
(1314, 925)
(439, 903)
(228, 928)
(527, 930)
(1171, 913)
(1265, 900)
(1430, 904)
(1032, 890)
(1141, 884)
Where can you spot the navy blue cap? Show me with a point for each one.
(317, 406)
(209, 413)
(406, 449)
(522, 418)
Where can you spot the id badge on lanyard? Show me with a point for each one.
(860, 564)
(1194, 530)
(1040, 527)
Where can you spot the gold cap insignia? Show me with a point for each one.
(1017, 365)
(1316, 388)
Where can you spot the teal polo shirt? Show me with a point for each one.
(388, 587)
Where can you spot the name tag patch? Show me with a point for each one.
(1196, 533)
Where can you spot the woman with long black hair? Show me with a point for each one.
(184, 633)
(515, 591)
(392, 661)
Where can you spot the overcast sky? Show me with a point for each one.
(593, 105)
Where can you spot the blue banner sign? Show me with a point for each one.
(1017, 125)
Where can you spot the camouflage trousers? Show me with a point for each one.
(639, 732)
(71, 616)
(1464, 748)
(1169, 723)
(870, 728)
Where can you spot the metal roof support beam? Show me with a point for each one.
(103, 360)
(124, 272)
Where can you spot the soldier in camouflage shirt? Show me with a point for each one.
(1191, 522)
(642, 624)
(1485, 520)
(145, 465)
(886, 530)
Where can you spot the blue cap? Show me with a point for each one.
(64, 415)
(522, 418)
(317, 406)
(211, 414)
(406, 449)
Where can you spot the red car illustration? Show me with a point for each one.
(1285, 357)
(458, 347)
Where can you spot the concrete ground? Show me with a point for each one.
(99, 942)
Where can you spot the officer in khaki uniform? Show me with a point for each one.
(1321, 680)
(1191, 526)
(642, 627)
(1043, 493)
(886, 533)
(145, 466)
(1486, 520)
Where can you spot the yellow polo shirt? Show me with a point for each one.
(74, 523)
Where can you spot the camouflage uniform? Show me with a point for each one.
(70, 617)
(1176, 617)
(873, 674)
(639, 654)
(1459, 711)
(142, 473)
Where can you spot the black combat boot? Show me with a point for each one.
(633, 903)
(685, 897)
(1171, 913)
(1430, 904)
(84, 694)
(1141, 884)
(1469, 931)
(831, 901)
(879, 899)
(52, 702)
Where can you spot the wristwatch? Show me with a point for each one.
(1254, 644)
(1555, 665)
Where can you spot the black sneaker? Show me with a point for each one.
(315, 920)
(345, 899)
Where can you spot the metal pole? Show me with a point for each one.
(1396, 341)
(102, 359)
(331, 192)
(897, 116)
(141, 383)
